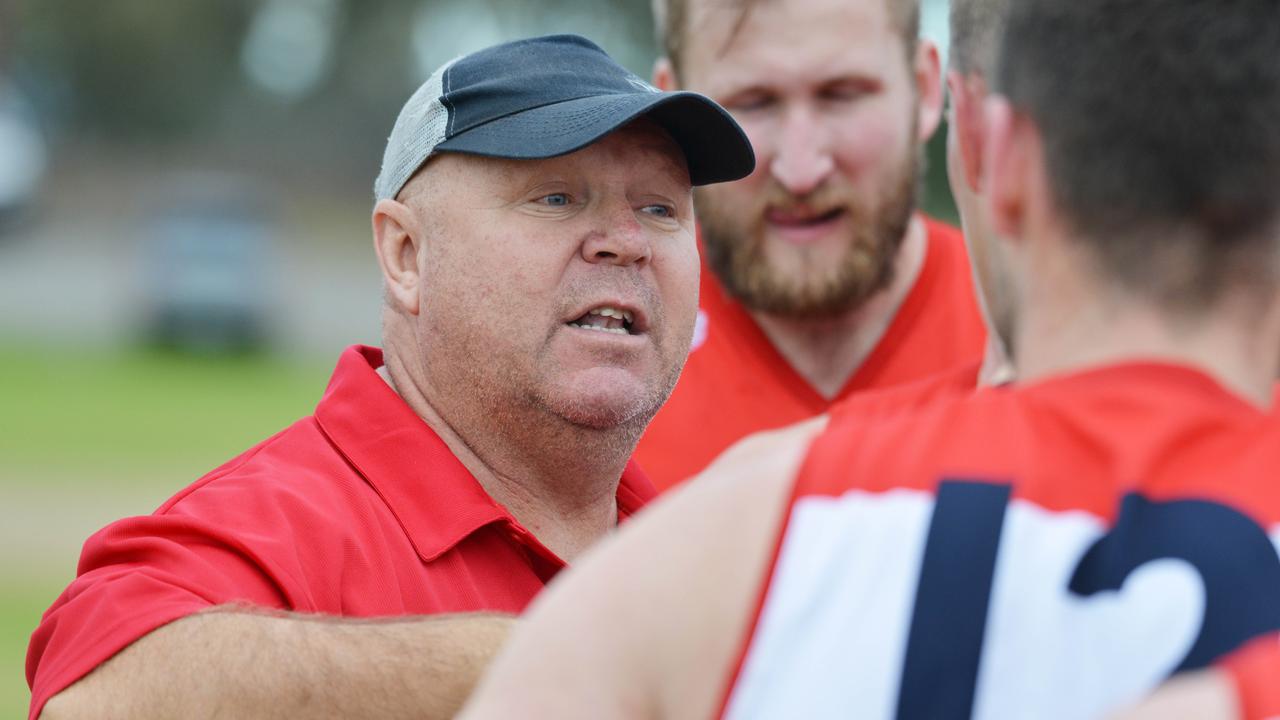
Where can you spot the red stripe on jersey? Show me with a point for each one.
(1075, 442)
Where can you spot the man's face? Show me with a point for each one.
(566, 285)
(826, 92)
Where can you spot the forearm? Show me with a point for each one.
(232, 662)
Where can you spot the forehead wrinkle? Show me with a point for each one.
(629, 146)
(654, 145)
(669, 155)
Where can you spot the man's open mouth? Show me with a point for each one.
(606, 319)
(802, 217)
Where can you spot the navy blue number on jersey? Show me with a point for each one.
(1235, 559)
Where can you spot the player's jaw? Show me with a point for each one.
(818, 255)
(609, 359)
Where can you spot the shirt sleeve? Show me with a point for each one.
(1255, 671)
(135, 576)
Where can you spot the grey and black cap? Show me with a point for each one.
(549, 96)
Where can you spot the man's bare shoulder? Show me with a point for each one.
(759, 463)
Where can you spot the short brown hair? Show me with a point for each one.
(1159, 126)
(976, 27)
(670, 18)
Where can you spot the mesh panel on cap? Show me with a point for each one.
(421, 126)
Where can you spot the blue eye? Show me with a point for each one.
(556, 199)
(659, 211)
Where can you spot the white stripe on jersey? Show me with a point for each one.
(833, 632)
(825, 646)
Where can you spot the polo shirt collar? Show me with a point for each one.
(435, 498)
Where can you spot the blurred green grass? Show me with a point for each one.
(20, 609)
(89, 435)
(122, 415)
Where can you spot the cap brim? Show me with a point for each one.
(715, 148)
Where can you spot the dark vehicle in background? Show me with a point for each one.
(208, 264)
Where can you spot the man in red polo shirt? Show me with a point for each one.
(820, 279)
(534, 226)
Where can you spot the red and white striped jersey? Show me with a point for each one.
(1053, 550)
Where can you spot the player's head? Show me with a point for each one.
(976, 26)
(1142, 133)
(837, 97)
(535, 230)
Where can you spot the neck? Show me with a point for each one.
(827, 351)
(559, 482)
(1066, 326)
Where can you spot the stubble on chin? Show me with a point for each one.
(671, 334)
(626, 418)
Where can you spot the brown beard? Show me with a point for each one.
(736, 251)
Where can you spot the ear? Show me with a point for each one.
(664, 74)
(397, 243)
(928, 78)
(1008, 165)
(967, 122)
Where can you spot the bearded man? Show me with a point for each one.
(820, 279)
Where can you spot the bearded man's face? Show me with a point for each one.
(827, 91)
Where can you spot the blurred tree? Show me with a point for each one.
(140, 67)
(136, 67)
(8, 22)
(181, 74)
(189, 76)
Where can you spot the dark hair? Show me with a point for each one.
(976, 26)
(1161, 129)
(671, 18)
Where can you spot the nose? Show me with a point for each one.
(803, 159)
(619, 239)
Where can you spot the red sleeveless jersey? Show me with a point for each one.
(736, 383)
(1054, 550)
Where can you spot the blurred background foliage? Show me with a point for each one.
(204, 166)
(272, 80)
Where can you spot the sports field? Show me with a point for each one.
(89, 435)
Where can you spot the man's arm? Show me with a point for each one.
(650, 623)
(1203, 695)
(233, 662)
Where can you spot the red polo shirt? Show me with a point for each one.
(360, 510)
(736, 383)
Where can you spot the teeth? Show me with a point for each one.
(615, 331)
(625, 315)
